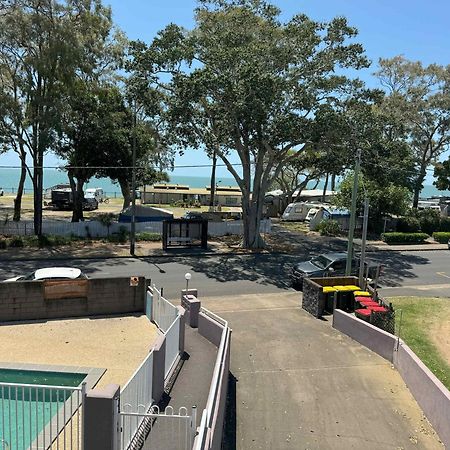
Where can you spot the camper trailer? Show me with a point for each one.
(96, 193)
(295, 212)
(340, 215)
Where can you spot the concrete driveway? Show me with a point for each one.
(300, 384)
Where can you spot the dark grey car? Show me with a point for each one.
(327, 264)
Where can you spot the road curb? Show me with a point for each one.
(165, 255)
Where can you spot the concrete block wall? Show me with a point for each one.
(24, 300)
(366, 334)
(210, 329)
(431, 395)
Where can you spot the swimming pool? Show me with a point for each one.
(28, 402)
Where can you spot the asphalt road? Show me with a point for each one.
(405, 273)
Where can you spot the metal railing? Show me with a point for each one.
(38, 417)
(210, 413)
(167, 429)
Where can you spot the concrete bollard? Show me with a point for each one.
(159, 362)
(192, 306)
(101, 418)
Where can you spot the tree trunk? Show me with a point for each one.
(38, 176)
(252, 209)
(333, 181)
(18, 199)
(213, 182)
(418, 186)
(78, 197)
(126, 192)
(252, 220)
(325, 186)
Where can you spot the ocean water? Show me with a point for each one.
(9, 179)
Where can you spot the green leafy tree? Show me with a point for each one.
(295, 176)
(98, 135)
(442, 175)
(384, 199)
(420, 97)
(249, 86)
(45, 45)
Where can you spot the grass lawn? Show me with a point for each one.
(425, 328)
(299, 227)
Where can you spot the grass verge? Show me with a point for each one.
(422, 320)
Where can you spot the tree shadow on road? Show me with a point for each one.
(398, 268)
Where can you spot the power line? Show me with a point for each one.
(196, 166)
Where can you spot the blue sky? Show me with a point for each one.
(414, 28)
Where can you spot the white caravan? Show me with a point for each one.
(299, 211)
(96, 193)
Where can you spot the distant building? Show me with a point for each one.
(311, 195)
(145, 214)
(166, 194)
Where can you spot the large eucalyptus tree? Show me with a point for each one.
(248, 86)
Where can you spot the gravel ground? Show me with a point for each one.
(118, 344)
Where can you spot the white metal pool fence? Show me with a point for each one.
(37, 417)
(163, 312)
(137, 414)
(172, 346)
(169, 429)
(136, 397)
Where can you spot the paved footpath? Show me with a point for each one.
(300, 384)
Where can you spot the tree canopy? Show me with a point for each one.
(420, 97)
(250, 86)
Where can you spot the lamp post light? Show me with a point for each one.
(187, 276)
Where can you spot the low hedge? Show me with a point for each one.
(442, 237)
(404, 238)
(146, 236)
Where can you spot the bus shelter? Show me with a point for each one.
(185, 233)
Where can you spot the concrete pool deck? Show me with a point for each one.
(117, 344)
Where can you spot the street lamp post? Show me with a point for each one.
(363, 243)
(187, 277)
(133, 188)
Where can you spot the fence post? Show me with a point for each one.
(182, 314)
(159, 363)
(193, 423)
(83, 409)
(101, 419)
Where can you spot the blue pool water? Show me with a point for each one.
(24, 411)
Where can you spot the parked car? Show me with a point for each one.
(448, 243)
(90, 204)
(51, 273)
(193, 215)
(327, 264)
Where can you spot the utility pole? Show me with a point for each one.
(363, 243)
(351, 231)
(133, 188)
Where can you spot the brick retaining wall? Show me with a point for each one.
(24, 300)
